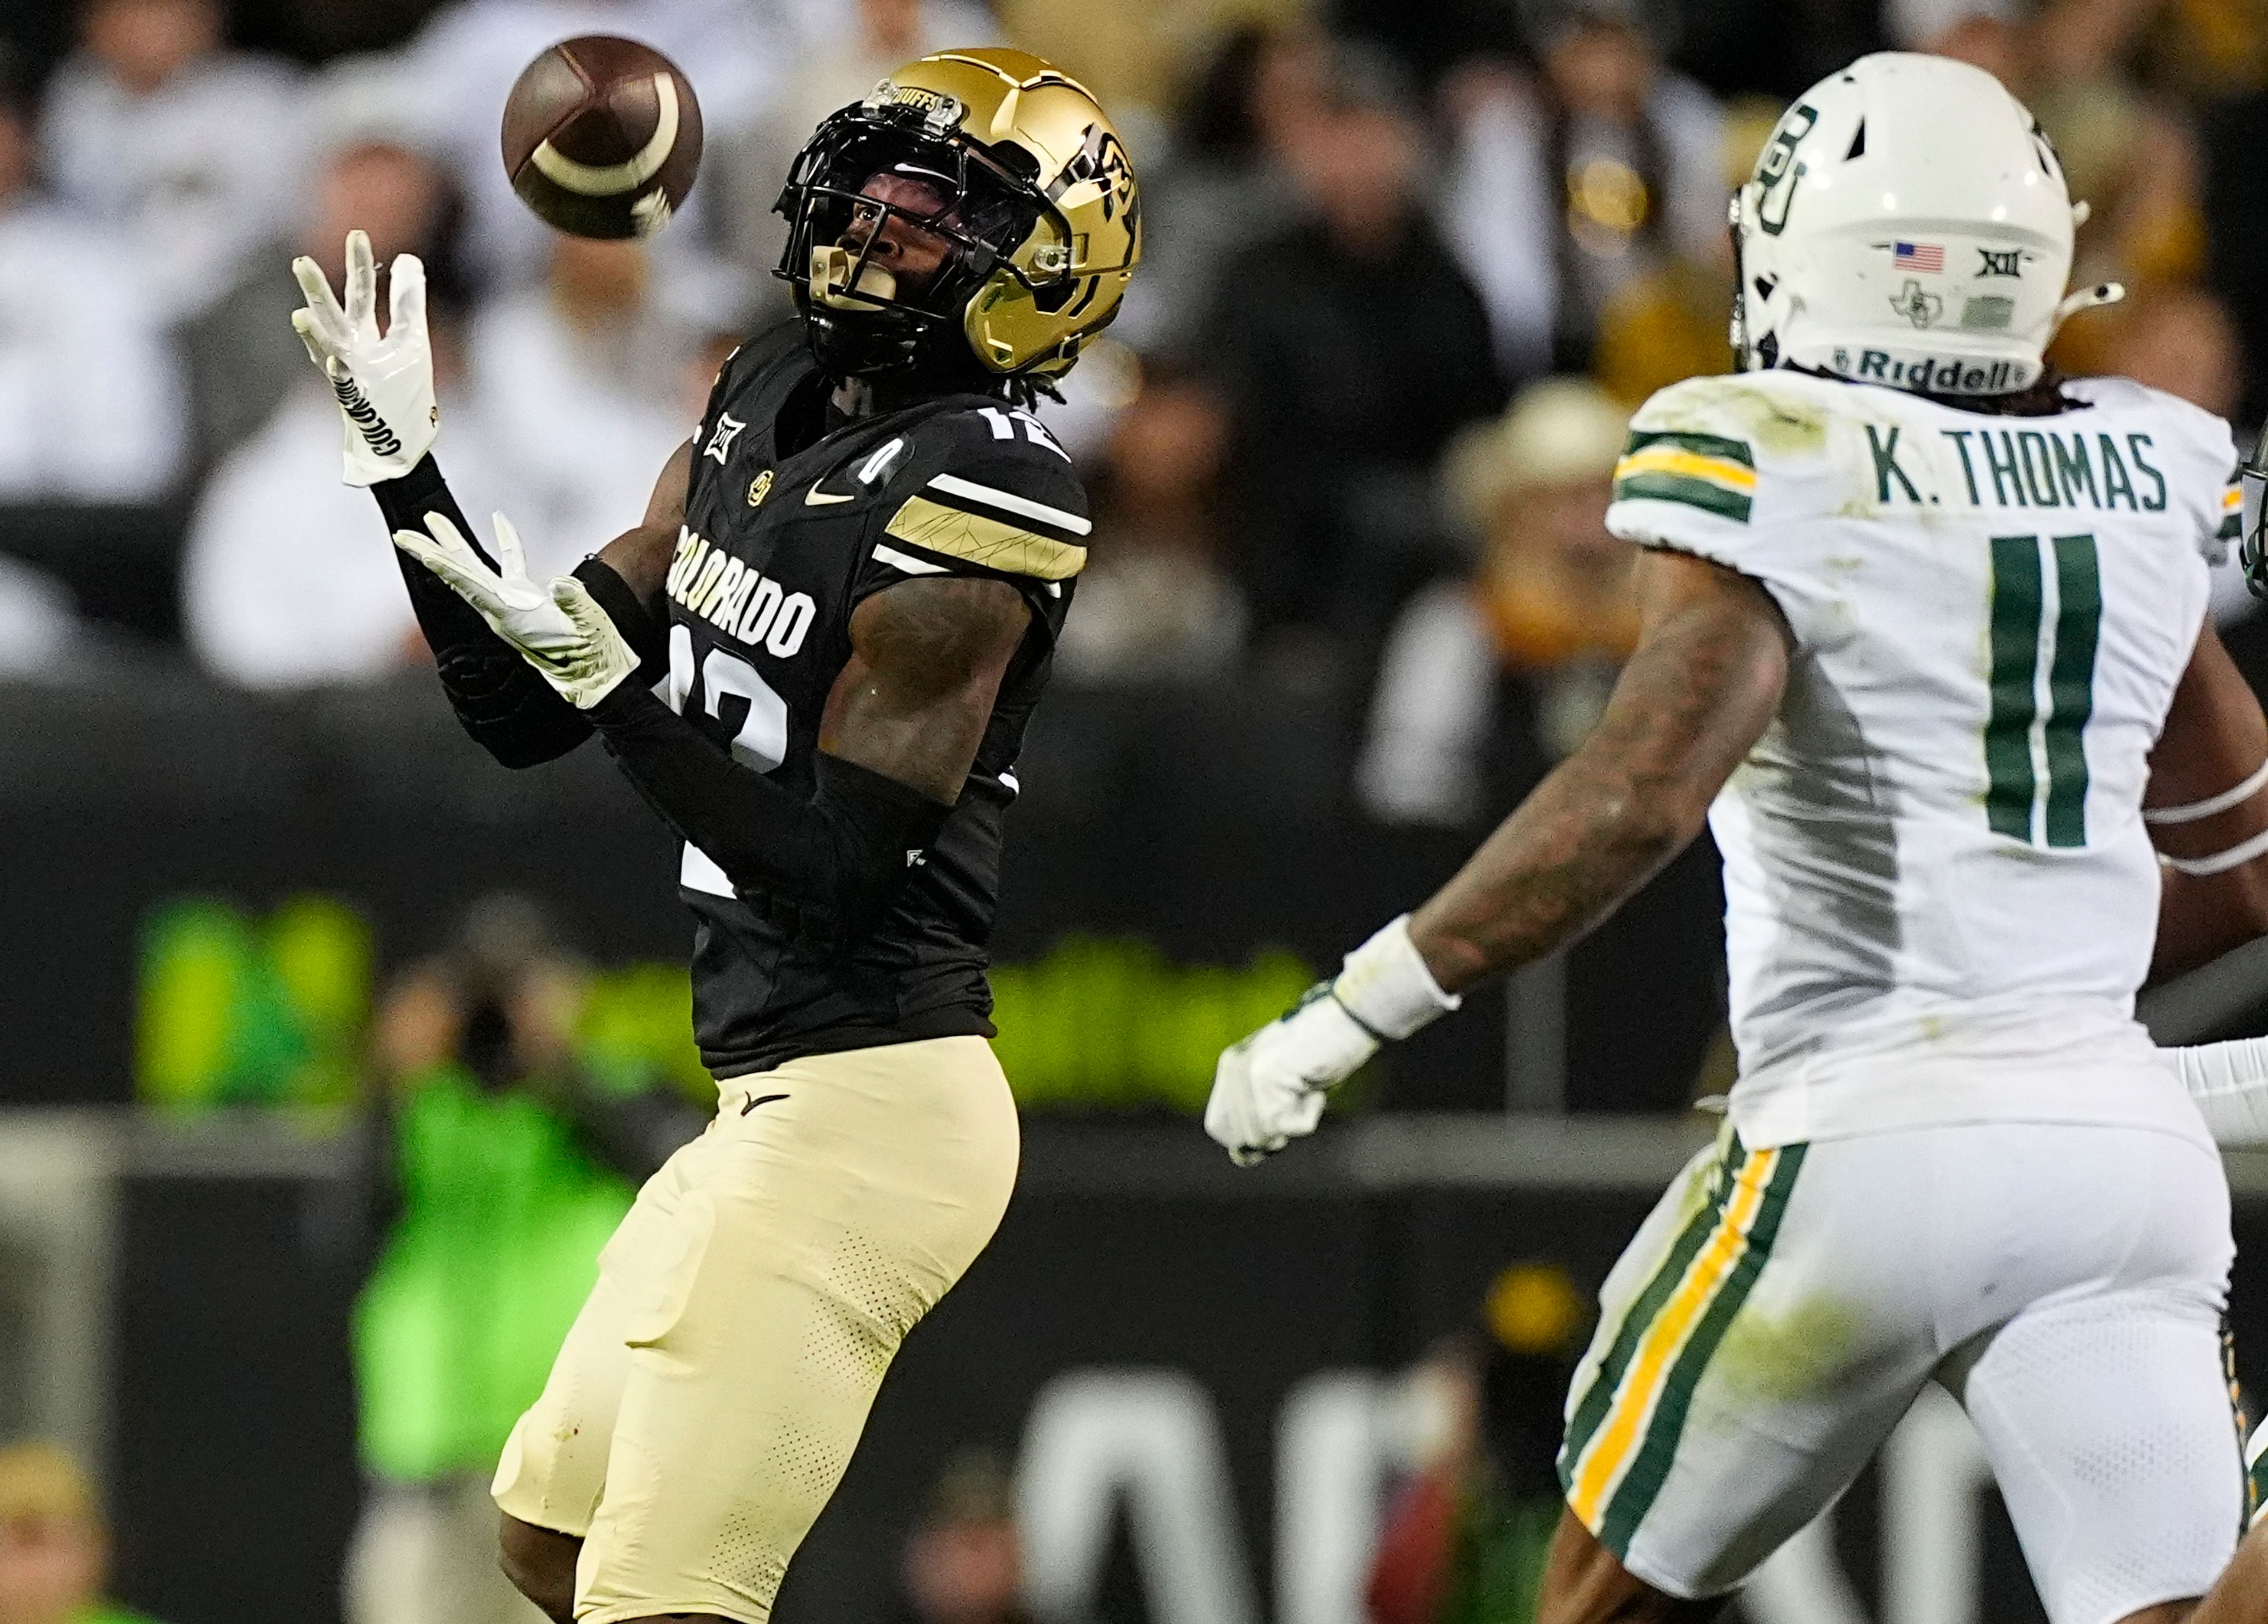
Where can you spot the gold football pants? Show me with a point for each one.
(708, 1398)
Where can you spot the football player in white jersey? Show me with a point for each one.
(1925, 644)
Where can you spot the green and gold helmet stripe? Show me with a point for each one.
(1705, 470)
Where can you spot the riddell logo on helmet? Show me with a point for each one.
(1949, 375)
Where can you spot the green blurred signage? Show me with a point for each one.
(1114, 1024)
(240, 1008)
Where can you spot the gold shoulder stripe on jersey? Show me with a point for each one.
(955, 533)
(1705, 494)
(1687, 464)
(1705, 470)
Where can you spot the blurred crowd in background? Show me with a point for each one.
(1407, 270)
(1410, 265)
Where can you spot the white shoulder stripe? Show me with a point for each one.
(906, 561)
(1008, 502)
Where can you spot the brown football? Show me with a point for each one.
(602, 138)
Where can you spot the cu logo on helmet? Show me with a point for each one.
(1778, 164)
(1102, 158)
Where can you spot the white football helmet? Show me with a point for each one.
(1907, 225)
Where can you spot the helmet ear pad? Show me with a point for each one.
(1038, 317)
(1012, 320)
(1761, 300)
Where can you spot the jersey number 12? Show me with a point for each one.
(760, 741)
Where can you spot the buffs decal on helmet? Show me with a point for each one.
(1012, 176)
(1908, 225)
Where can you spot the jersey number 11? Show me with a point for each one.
(2047, 617)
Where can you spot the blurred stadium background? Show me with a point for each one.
(328, 1052)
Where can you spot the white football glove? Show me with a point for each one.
(560, 629)
(1268, 1088)
(385, 385)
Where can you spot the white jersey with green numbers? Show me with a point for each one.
(1940, 899)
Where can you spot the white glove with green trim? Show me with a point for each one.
(384, 384)
(1270, 1089)
(558, 628)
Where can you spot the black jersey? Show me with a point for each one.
(788, 526)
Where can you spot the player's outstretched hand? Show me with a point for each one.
(384, 383)
(558, 628)
(1268, 1088)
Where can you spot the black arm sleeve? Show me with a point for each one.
(508, 709)
(826, 868)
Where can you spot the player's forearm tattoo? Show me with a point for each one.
(1695, 696)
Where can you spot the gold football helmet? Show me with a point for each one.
(1015, 178)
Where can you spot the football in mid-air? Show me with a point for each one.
(602, 138)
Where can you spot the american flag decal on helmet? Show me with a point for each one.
(1928, 257)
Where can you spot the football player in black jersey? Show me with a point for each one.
(847, 585)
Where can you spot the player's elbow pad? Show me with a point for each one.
(508, 709)
(518, 725)
(515, 716)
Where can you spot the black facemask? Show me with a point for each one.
(871, 328)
